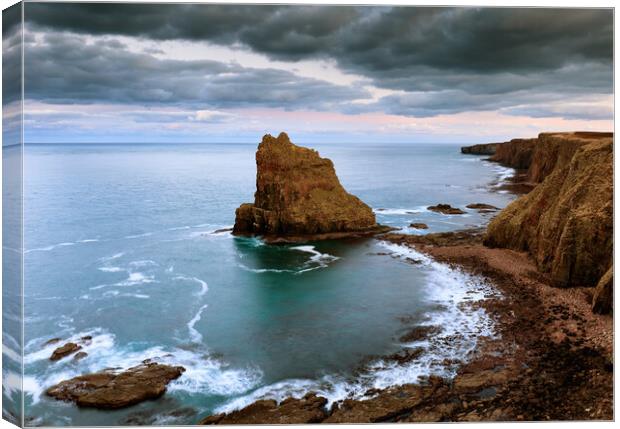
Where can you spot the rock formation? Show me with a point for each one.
(298, 197)
(309, 409)
(516, 153)
(446, 209)
(110, 390)
(565, 222)
(602, 301)
(480, 149)
(65, 350)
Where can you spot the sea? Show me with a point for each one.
(128, 244)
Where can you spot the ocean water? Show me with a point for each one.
(122, 243)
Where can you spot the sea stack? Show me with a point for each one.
(299, 197)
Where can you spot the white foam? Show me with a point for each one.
(146, 234)
(461, 326)
(111, 269)
(194, 335)
(204, 287)
(11, 354)
(265, 270)
(399, 212)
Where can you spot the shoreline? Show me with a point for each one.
(552, 358)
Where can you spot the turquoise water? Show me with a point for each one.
(120, 244)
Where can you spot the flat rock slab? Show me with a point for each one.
(110, 390)
(309, 409)
(446, 209)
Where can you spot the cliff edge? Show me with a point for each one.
(299, 197)
(565, 222)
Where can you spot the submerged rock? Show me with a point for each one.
(65, 350)
(110, 390)
(418, 225)
(481, 206)
(446, 209)
(565, 222)
(309, 409)
(298, 197)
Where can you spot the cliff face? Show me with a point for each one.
(298, 194)
(480, 149)
(566, 222)
(516, 153)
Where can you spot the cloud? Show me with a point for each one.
(64, 67)
(430, 61)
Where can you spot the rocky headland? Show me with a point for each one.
(480, 149)
(553, 357)
(299, 198)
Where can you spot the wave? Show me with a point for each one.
(204, 287)
(204, 374)
(146, 234)
(399, 212)
(194, 335)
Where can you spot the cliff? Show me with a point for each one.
(298, 197)
(516, 153)
(480, 149)
(565, 222)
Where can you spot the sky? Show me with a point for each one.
(186, 73)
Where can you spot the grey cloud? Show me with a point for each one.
(63, 68)
(446, 59)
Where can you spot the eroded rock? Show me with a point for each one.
(298, 197)
(110, 389)
(418, 225)
(309, 409)
(65, 350)
(446, 209)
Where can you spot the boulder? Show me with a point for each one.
(65, 350)
(418, 225)
(481, 206)
(298, 197)
(111, 390)
(446, 209)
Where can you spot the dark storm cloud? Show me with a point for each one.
(63, 68)
(471, 58)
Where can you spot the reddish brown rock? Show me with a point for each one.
(110, 390)
(65, 350)
(480, 149)
(418, 225)
(481, 206)
(446, 209)
(516, 153)
(298, 196)
(603, 299)
(309, 409)
(566, 222)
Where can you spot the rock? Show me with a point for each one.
(565, 222)
(111, 390)
(52, 341)
(516, 153)
(603, 299)
(309, 409)
(298, 197)
(64, 350)
(446, 209)
(482, 206)
(418, 225)
(480, 149)
(80, 355)
(419, 333)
